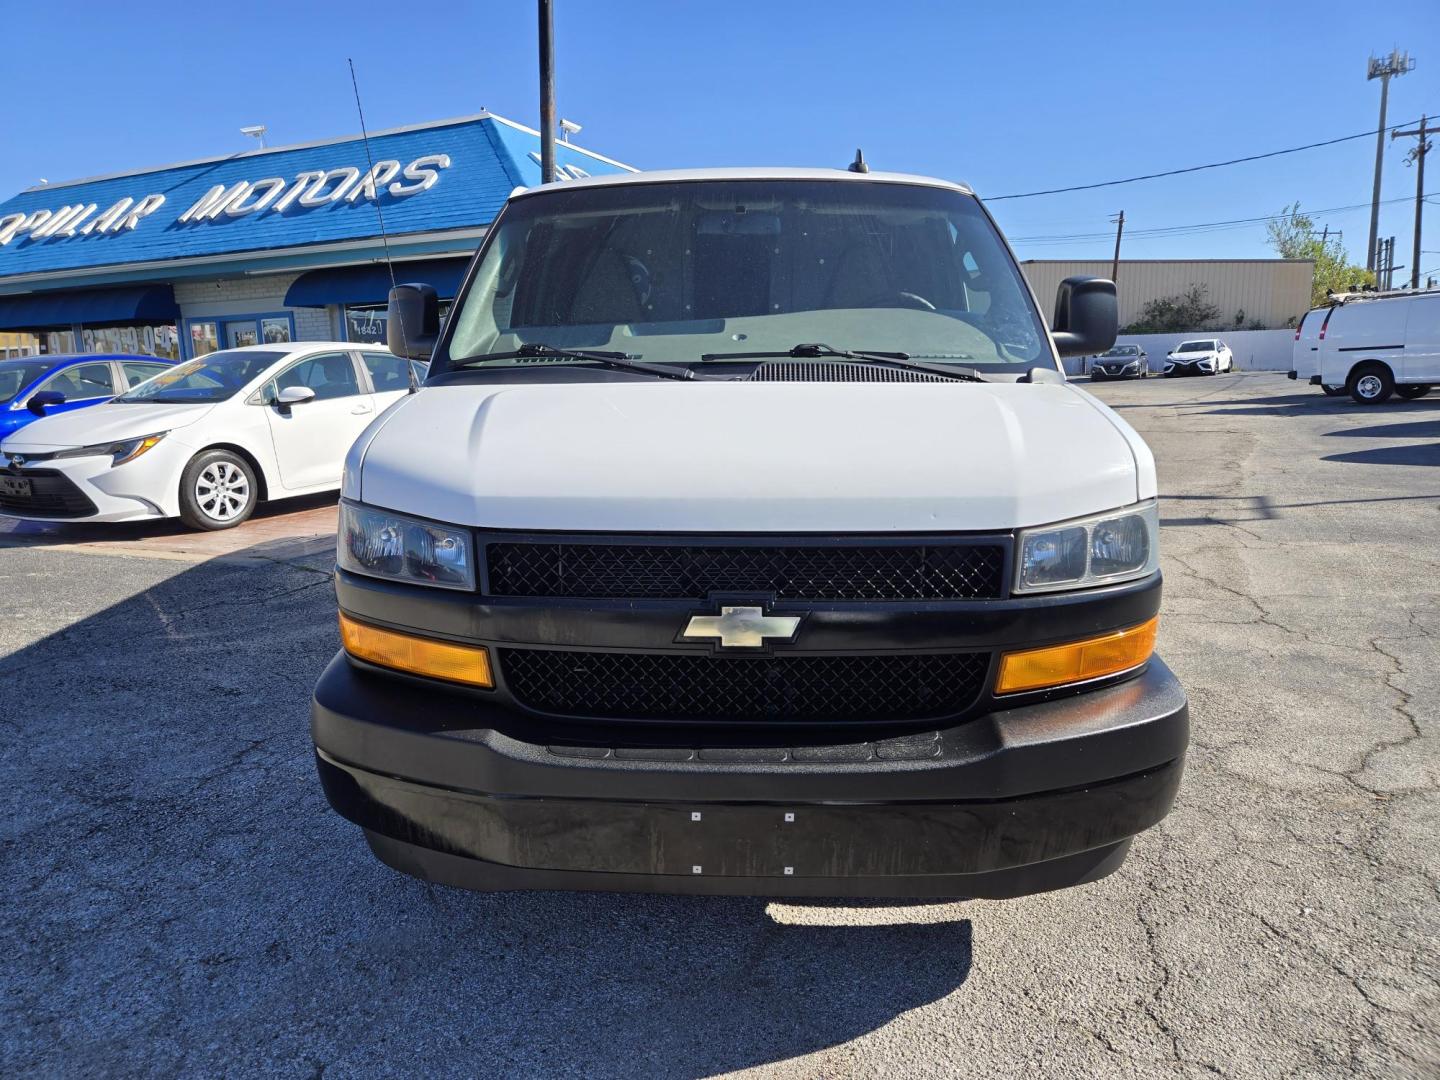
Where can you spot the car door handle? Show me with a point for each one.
(361, 410)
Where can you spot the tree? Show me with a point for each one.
(1176, 314)
(1293, 236)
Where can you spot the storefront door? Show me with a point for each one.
(241, 334)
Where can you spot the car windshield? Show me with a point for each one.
(1196, 346)
(1123, 350)
(667, 272)
(16, 375)
(206, 379)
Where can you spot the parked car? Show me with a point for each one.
(1121, 362)
(1305, 354)
(1379, 344)
(36, 386)
(205, 440)
(857, 618)
(1203, 356)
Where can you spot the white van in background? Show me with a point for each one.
(1305, 359)
(1378, 344)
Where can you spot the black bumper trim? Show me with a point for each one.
(753, 841)
(370, 720)
(456, 870)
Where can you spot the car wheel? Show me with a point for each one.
(1332, 391)
(1371, 384)
(1411, 391)
(218, 490)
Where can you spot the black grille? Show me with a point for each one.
(52, 494)
(693, 572)
(676, 686)
(823, 371)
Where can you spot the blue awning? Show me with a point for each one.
(370, 284)
(93, 307)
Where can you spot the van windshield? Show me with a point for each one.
(667, 272)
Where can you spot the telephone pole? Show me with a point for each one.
(1119, 220)
(1385, 68)
(1417, 156)
(547, 93)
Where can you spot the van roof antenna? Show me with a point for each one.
(379, 213)
(858, 165)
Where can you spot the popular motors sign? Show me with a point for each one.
(269, 195)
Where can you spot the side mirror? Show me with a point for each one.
(38, 401)
(412, 324)
(1086, 316)
(294, 395)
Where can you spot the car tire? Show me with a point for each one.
(218, 490)
(1411, 391)
(1332, 391)
(1371, 384)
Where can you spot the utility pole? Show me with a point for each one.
(547, 92)
(1417, 156)
(1119, 220)
(1397, 63)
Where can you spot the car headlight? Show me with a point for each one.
(380, 543)
(120, 452)
(1100, 550)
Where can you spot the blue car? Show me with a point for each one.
(36, 386)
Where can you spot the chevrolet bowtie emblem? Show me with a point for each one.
(743, 627)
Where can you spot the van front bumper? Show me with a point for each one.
(1016, 801)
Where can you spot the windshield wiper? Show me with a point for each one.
(819, 349)
(618, 360)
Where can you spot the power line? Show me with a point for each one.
(1196, 168)
(1199, 227)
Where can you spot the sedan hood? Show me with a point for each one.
(750, 457)
(102, 424)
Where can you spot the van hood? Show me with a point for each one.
(102, 424)
(750, 457)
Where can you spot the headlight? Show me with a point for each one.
(1099, 550)
(120, 452)
(382, 544)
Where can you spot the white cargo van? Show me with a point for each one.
(866, 607)
(1379, 344)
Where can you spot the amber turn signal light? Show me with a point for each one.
(1077, 661)
(468, 664)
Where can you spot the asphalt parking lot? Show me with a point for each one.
(180, 900)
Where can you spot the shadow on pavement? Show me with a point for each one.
(180, 898)
(1420, 429)
(1410, 454)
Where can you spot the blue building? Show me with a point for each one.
(280, 244)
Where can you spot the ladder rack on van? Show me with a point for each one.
(1375, 294)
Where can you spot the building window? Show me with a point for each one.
(275, 331)
(204, 338)
(365, 323)
(60, 341)
(135, 340)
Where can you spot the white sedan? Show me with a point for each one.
(206, 440)
(1203, 356)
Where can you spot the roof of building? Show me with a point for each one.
(476, 161)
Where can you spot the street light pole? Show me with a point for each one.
(1397, 63)
(547, 92)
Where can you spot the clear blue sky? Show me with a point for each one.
(1009, 97)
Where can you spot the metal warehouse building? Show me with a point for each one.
(1271, 292)
(272, 245)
